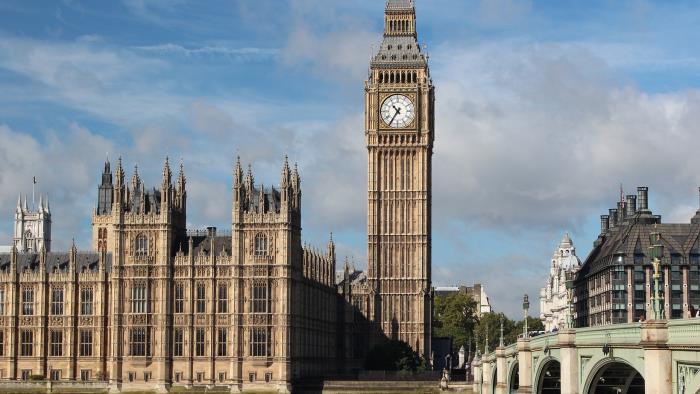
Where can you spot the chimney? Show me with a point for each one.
(631, 205)
(612, 218)
(643, 199)
(604, 223)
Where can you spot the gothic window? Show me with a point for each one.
(259, 293)
(56, 343)
(138, 342)
(28, 234)
(178, 350)
(86, 301)
(259, 342)
(199, 342)
(201, 298)
(179, 298)
(260, 245)
(138, 299)
(2, 343)
(27, 343)
(28, 302)
(2, 302)
(85, 343)
(221, 342)
(141, 246)
(102, 239)
(222, 304)
(57, 301)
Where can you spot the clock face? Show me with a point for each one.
(397, 111)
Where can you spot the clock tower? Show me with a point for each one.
(399, 133)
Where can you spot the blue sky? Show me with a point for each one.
(543, 109)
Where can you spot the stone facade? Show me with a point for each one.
(554, 300)
(615, 285)
(399, 134)
(158, 306)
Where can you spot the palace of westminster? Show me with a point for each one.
(154, 305)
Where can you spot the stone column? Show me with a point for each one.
(476, 370)
(657, 357)
(501, 373)
(524, 366)
(569, 361)
(486, 372)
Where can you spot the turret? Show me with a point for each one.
(261, 199)
(118, 194)
(166, 188)
(296, 188)
(286, 186)
(180, 190)
(238, 196)
(249, 180)
(72, 258)
(135, 180)
(105, 192)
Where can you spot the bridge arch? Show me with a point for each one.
(513, 377)
(494, 378)
(548, 377)
(614, 374)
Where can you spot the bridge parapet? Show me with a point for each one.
(617, 334)
(684, 332)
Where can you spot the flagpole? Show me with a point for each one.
(33, 183)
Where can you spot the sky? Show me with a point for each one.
(543, 108)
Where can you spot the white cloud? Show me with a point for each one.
(230, 52)
(66, 164)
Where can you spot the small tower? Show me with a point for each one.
(104, 192)
(32, 230)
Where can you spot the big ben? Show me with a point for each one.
(399, 133)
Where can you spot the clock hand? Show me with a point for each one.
(394, 117)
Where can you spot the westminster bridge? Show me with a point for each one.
(654, 357)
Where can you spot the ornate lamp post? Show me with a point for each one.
(486, 341)
(526, 307)
(569, 298)
(501, 340)
(657, 253)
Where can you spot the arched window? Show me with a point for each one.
(260, 245)
(141, 246)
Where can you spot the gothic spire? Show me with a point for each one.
(237, 173)
(119, 174)
(135, 179)
(285, 173)
(249, 181)
(167, 174)
(181, 178)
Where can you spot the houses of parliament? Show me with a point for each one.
(154, 305)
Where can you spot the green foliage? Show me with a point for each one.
(491, 323)
(455, 316)
(36, 377)
(394, 356)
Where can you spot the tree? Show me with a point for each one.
(455, 316)
(491, 323)
(394, 356)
